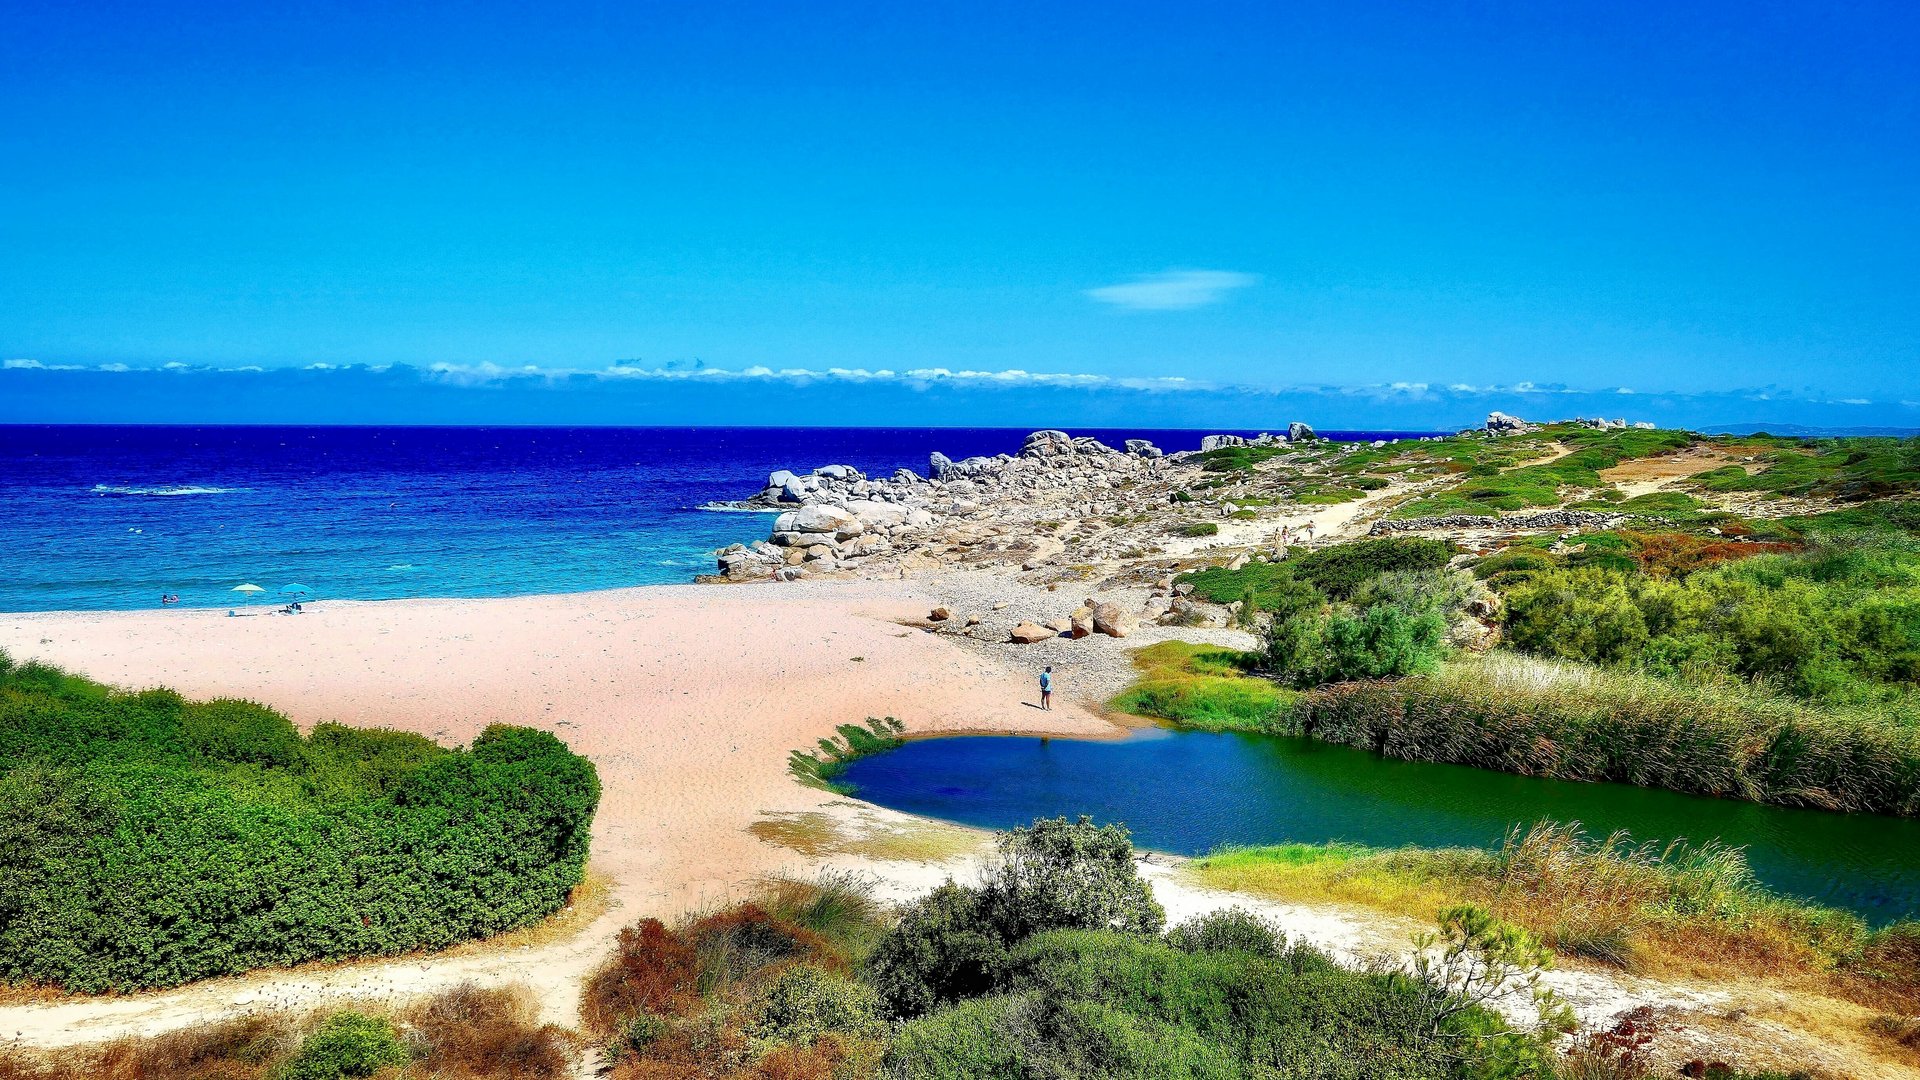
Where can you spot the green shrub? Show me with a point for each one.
(1067, 874)
(1056, 874)
(1838, 622)
(1199, 529)
(1340, 571)
(943, 949)
(805, 1003)
(1231, 929)
(1385, 641)
(150, 842)
(347, 1045)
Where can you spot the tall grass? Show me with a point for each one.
(821, 768)
(1544, 718)
(1672, 908)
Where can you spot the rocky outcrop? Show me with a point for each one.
(1500, 423)
(1299, 432)
(1545, 519)
(836, 517)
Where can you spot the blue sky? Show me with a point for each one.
(1215, 210)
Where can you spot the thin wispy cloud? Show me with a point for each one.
(1174, 290)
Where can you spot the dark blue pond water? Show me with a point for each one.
(1191, 792)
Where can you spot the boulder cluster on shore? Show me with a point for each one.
(838, 517)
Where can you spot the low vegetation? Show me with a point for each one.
(1542, 718)
(467, 1033)
(1204, 687)
(1848, 470)
(1055, 965)
(150, 841)
(1672, 909)
(821, 768)
(1487, 487)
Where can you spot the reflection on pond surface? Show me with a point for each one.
(1191, 792)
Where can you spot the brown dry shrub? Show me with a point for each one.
(744, 942)
(240, 1049)
(470, 1032)
(832, 1056)
(1672, 554)
(652, 970)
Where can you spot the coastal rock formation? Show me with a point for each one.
(1007, 508)
(1027, 633)
(1500, 423)
(1299, 432)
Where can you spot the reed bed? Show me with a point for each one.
(1545, 718)
(1657, 908)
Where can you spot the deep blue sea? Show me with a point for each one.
(114, 517)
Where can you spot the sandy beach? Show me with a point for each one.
(687, 699)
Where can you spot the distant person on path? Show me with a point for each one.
(1046, 688)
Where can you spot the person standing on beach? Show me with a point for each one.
(1046, 688)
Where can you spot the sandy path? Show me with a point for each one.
(686, 698)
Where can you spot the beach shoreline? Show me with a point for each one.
(687, 698)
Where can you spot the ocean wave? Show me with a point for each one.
(178, 489)
(734, 508)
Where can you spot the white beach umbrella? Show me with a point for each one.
(249, 589)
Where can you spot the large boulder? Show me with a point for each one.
(1113, 620)
(1501, 424)
(843, 473)
(1297, 432)
(1217, 442)
(1080, 623)
(832, 520)
(1143, 448)
(880, 514)
(1027, 633)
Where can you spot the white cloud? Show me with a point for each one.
(1174, 290)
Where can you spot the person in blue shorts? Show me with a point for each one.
(1046, 688)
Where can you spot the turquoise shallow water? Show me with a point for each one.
(1191, 792)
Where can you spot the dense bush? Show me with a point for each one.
(1232, 929)
(1395, 626)
(148, 841)
(1838, 622)
(1094, 1004)
(1058, 874)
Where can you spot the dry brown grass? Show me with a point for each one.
(466, 1033)
(243, 1049)
(470, 1033)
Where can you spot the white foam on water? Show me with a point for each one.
(178, 489)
